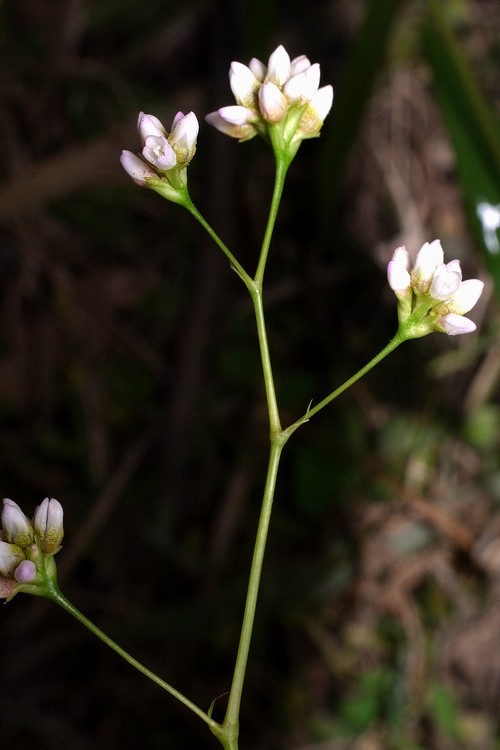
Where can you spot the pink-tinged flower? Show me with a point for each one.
(16, 526)
(48, 525)
(158, 152)
(136, 168)
(272, 102)
(446, 280)
(244, 84)
(25, 572)
(429, 257)
(149, 125)
(11, 555)
(164, 157)
(398, 274)
(455, 324)
(431, 294)
(183, 136)
(235, 121)
(304, 85)
(283, 94)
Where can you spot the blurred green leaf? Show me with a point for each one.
(443, 709)
(474, 132)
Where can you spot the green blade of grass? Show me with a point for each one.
(473, 129)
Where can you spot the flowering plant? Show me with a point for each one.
(283, 103)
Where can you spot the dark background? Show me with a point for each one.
(130, 388)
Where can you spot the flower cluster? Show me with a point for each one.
(27, 547)
(164, 158)
(283, 97)
(431, 294)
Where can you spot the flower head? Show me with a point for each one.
(27, 550)
(163, 161)
(281, 100)
(431, 294)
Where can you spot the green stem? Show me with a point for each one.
(282, 164)
(213, 234)
(53, 592)
(272, 404)
(393, 344)
(231, 720)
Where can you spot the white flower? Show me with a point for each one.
(284, 92)
(398, 275)
(454, 324)
(136, 168)
(183, 136)
(272, 102)
(11, 555)
(429, 257)
(16, 526)
(48, 524)
(432, 295)
(162, 153)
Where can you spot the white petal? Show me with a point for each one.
(136, 168)
(183, 137)
(278, 68)
(398, 277)
(457, 324)
(466, 296)
(429, 257)
(445, 282)
(149, 125)
(243, 131)
(258, 69)
(234, 114)
(244, 84)
(273, 103)
(322, 101)
(299, 65)
(401, 256)
(158, 152)
(185, 130)
(303, 86)
(178, 117)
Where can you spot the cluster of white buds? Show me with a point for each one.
(431, 294)
(165, 157)
(281, 101)
(26, 547)
(285, 93)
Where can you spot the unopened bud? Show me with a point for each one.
(25, 572)
(48, 523)
(10, 557)
(16, 526)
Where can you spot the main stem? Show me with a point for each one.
(231, 720)
(277, 440)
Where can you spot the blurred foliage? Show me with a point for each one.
(130, 383)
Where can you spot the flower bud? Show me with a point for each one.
(183, 136)
(136, 168)
(11, 555)
(25, 572)
(48, 523)
(273, 103)
(16, 527)
(432, 295)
